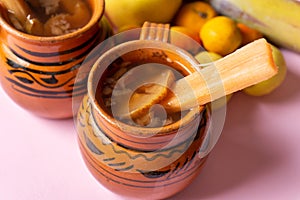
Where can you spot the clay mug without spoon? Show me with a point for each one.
(131, 160)
(38, 72)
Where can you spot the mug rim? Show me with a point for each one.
(97, 13)
(142, 44)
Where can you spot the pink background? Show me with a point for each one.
(257, 156)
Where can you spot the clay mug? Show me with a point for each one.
(136, 161)
(38, 72)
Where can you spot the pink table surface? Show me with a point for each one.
(257, 156)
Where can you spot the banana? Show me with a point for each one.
(278, 20)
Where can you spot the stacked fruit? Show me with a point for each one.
(219, 35)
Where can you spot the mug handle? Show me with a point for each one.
(154, 31)
(161, 32)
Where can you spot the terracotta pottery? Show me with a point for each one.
(134, 161)
(38, 73)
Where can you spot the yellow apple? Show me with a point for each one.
(136, 12)
(127, 28)
(274, 82)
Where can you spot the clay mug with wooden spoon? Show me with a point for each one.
(154, 155)
(38, 72)
(145, 162)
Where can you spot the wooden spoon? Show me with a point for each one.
(25, 16)
(247, 66)
(19, 8)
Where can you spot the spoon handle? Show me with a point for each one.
(154, 31)
(19, 8)
(247, 66)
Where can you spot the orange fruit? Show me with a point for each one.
(185, 38)
(248, 34)
(193, 15)
(271, 84)
(221, 35)
(207, 57)
(184, 30)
